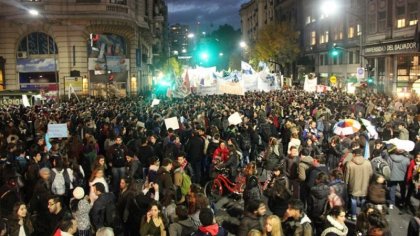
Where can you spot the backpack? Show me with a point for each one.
(381, 167)
(187, 230)
(58, 186)
(186, 184)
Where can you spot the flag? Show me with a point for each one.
(247, 68)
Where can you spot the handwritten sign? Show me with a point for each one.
(57, 130)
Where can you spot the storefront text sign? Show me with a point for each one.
(392, 48)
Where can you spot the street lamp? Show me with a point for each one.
(33, 12)
(242, 44)
(190, 35)
(330, 6)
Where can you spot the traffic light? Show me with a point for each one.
(370, 80)
(334, 50)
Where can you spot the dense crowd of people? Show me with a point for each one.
(122, 172)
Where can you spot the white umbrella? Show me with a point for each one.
(406, 145)
(373, 134)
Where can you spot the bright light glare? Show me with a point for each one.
(329, 7)
(221, 54)
(33, 12)
(190, 35)
(204, 56)
(242, 44)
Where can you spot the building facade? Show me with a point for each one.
(368, 42)
(255, 14)
(82, 46)
(181, 42)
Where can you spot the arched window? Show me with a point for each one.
(38, 43)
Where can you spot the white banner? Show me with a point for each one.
(227, 87)
(310, 84)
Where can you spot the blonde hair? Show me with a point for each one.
(275, 223)
(254, 232)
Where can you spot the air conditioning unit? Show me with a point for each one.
(21, 54)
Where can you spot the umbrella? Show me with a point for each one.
(406, 145)
(370, 128)
(346, 127)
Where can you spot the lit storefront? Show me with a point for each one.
(396, 65)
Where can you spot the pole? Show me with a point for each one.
(55, 72)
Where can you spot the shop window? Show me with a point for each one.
(350, 57)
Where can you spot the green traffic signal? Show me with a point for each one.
(334, 52)
(204, 56)
(370, 80)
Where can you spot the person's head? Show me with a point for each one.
(36, 156)
(19, 210)
(105, 231)
(97, 173)
(154, 209)
(379, 179)
(45, 173)
(294, 152)
(118, 140)
(222, 145)
(129, 156)
(99, 188)
(123, 183)
(181, 158)
(273, 226)
(295, 208)
(182, 212)
(256, 207)
(338, 213)
(321, 178)
(100, 160)
(68, 225)
(206, 217)
(167, 164)
(54, 205)
(305, 152)
(277, 170)
(336, 174)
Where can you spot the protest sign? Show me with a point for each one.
(57, 130)
(235, 119)
(172, 123)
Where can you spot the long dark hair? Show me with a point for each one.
(16, 207)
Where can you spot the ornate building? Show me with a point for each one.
(254, 15)
(85, 46)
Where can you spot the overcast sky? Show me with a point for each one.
(210, 13)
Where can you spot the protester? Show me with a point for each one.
(19, 223)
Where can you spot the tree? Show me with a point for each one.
(276, 43)
(173, 66)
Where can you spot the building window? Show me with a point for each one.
(357, 57)
(321, 60)
(381, 21)
(351, 32)
(323, 38)
(412, 22)
(350, 58)
(38, 43)
(308, 20)
(313, 38)
(400, 23)
(359, 29)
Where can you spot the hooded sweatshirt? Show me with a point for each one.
(357, 176)
(213, 230)
(399, 164)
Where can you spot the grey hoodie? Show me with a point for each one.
(399, 164)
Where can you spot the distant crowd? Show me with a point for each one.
(121, 171)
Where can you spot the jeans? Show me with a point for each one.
(393, 190)
(117, 174)
(356, 202)
(196, 165)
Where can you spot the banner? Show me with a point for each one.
(57, 130)
(228, 87)
(310, 83)
(247, 68)
(250, 82)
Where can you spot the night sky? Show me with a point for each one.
(210, 13)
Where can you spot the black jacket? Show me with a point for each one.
(249, 222)
(195, 149)
(116, 155)
(318, 199)
(97, 213)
